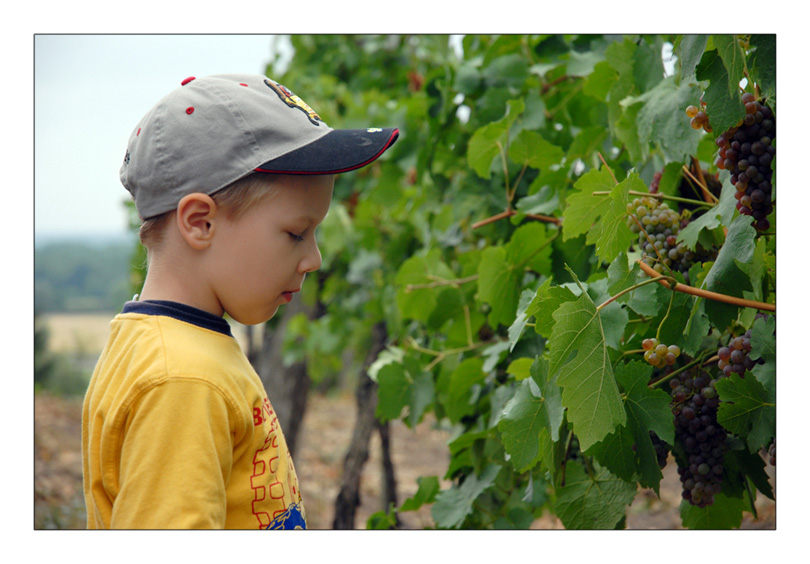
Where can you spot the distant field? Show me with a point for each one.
(86, 333)
(73, 332)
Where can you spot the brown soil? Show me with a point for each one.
(327, 429)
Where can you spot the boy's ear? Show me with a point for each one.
(195, 219)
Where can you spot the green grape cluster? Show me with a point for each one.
(657, 227)
(659, 354)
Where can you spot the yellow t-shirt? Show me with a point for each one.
(177, 430)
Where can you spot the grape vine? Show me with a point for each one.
(560, 259)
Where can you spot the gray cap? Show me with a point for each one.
(214, 130)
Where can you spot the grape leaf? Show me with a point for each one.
(725, 276)
(516, 329)
(452, 505)
(583, 208)
(721, 214)
(763, 347)
(733, 59)
(529, 148)
(724, 111)
(615, 452)
(580, 360)
(428, 488)
(592, 502)
(498, 283)
(611, 234)
(463, 378)
(647, 410)
(724, 513)
(484, 143)
(394, 385)
(746, 410)
(690, 49)
(763, 63)
(536, 405)
(419, 304)
(662, 119)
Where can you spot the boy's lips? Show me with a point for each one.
(288, 294)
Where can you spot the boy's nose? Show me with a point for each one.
(312, 261)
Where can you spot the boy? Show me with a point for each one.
(231, 174)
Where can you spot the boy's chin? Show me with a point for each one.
(255, 317)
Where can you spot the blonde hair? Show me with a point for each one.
(233, 200)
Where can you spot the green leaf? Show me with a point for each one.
(498, 283)
(428, 488)
(419, 304)
(711, 220)
(723, 109)
(535, 406)
(733, 59)
(592, 502)
(662, 120)
(725, 276)
(763, 63)
(579, 358)
(746, 410)
(647, 410)
(583, 208)
(452, 505)
(469, 373)
(516, 329)
(599, 82)
(690, 50)
(488, 141)
(611, 234)
(394, 385)
(724, 513)
(763, 347)
(529, 148)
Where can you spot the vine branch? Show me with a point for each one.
(671, 284)
(510, 212)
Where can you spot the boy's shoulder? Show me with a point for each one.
(167, 340)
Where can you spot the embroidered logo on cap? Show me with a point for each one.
(294, 101)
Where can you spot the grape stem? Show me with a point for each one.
(630, 289)
(678, 287)
(510, 212)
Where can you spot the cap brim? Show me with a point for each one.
(340, 150)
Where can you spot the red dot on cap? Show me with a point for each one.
(242, 84)
(190, 110)
(186, 81)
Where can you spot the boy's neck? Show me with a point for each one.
(172, 283)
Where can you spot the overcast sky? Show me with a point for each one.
(90, 92)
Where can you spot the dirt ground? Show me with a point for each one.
(58, 501)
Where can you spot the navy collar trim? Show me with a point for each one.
(180, 312)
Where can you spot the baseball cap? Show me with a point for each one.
(214, 130)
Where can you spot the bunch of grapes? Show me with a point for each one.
(734, 357)
(699, 117)
(657, 226)
(658, 354)
(746, 151)
(702, 438)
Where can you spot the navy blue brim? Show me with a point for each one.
(341, 150)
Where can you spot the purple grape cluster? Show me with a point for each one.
(734, 357)
(697, 432)
(747, 151)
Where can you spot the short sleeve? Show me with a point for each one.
(176, 456)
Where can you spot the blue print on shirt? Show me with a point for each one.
(290, 519)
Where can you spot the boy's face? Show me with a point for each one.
(260, 259)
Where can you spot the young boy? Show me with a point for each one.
(231, 175)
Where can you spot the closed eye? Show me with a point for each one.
(296, 238)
